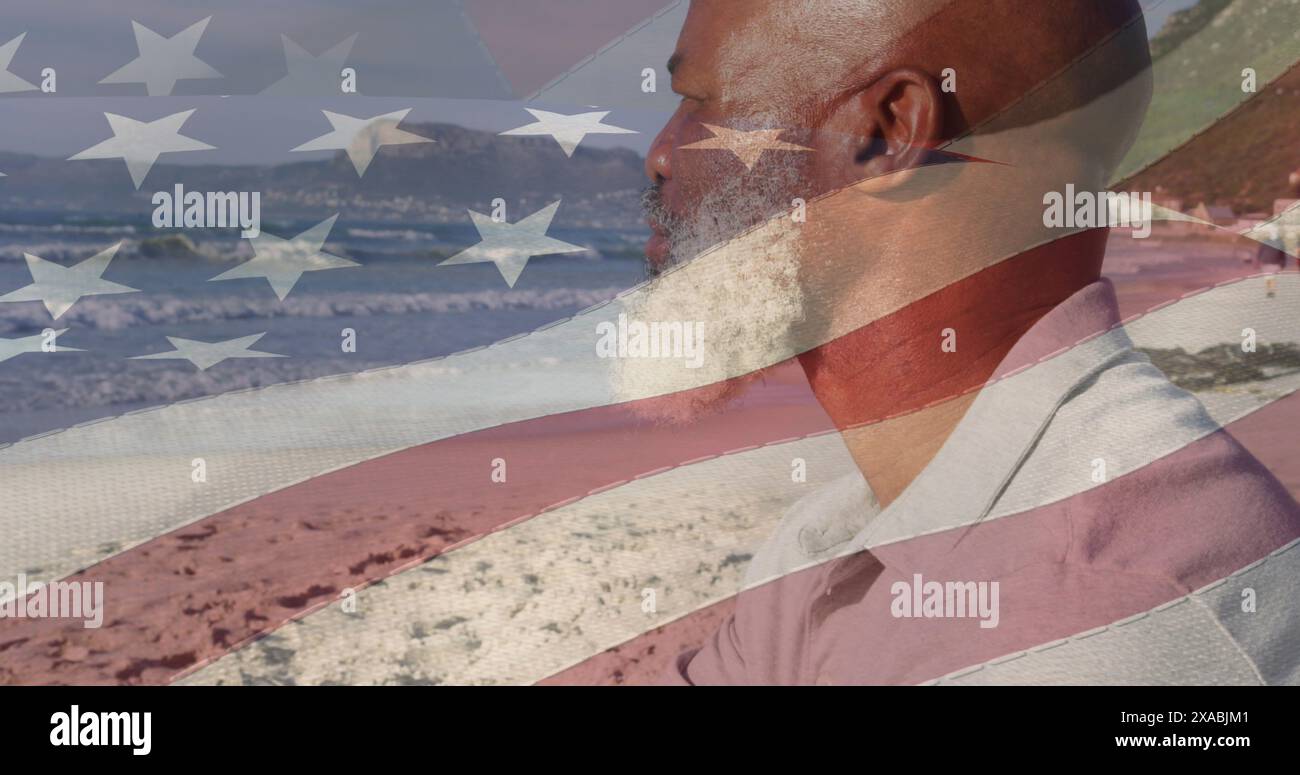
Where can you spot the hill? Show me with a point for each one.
(1198, 72)
(1243, 160)
(433, 182)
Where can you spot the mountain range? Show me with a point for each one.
(1207, 137)
(427, 182)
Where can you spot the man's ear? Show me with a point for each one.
(892, 124)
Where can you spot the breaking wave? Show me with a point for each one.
(115, 313)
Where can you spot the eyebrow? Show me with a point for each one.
(674, 62)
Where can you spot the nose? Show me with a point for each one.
(659, 161)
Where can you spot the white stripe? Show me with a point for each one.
(592, 558)
(81, 495)
(527, 602)
(84, 493)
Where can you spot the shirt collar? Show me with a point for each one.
(1056, 358)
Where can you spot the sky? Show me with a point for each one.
(421, 55)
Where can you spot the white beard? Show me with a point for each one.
(746, 319)
(737, 280)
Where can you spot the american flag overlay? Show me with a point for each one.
(424, 342)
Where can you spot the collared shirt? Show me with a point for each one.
(1119, 522)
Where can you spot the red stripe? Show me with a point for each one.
(189, 596)
(1201, 530)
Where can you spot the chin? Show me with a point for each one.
(748, 308)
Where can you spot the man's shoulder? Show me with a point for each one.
(1171, 491)
(1121, 424)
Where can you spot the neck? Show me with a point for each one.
(897, 387)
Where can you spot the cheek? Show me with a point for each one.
(712, 185)
(695, 168)
(698, 179)
(837, 162)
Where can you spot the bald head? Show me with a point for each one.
(797, 57)
(873, 85)
(839, 106)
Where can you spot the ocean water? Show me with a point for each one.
(401, 304)
(403, 307)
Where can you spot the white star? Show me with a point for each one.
(140, 143)
(283, 261)
(568, 131)
(8, 81)
(164, 61)
(311, 76)
(509, 246)
(362, 137)
(748, 146)
(1282, 231)
(205, 355)
(10, 348)
(59, 287)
